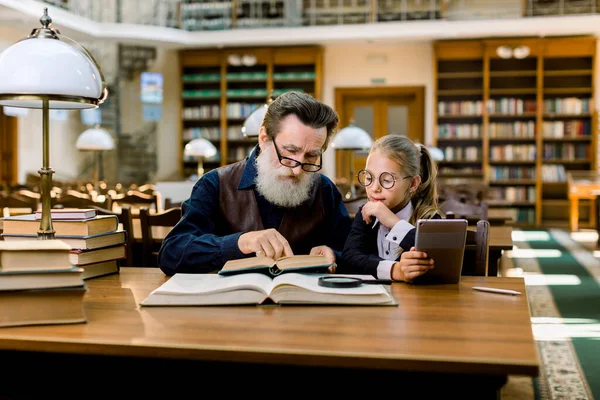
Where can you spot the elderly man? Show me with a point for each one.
(274, 203)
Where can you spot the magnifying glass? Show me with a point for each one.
(349, 282)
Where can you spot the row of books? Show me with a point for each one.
(517, 129)
(467, 153)
(567, 129)
(513, 152)
(511, 173)
(513, 193)
(567, 151)
(462, 131)
(46, 278)
(511, 106)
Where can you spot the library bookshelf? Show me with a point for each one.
(221, 88)
(518, 114)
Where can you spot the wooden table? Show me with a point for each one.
(582, 189)
(446, 336)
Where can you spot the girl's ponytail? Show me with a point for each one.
(425, 198)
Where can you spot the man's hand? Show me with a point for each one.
(267, 242)
(412, 264)
(376, 209)
(329, 255)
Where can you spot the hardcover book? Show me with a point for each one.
(91, 242)
(34, 255)
(266, 265)
(27, 224)
(69, 213)
(257, 288)
(41, 279)
(42, 307)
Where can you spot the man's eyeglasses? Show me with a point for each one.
(386, 179)
(291, 163)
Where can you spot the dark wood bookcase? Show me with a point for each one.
(221, 88)
(517, 123)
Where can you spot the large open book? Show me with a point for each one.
(266, 265)
(258, 288)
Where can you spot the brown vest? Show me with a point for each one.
(240, 209)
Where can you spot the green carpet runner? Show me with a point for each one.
(563, 288)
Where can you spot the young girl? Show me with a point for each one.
(400, 180)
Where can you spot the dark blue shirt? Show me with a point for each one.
(202, 241)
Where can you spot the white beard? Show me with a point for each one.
(283, 192)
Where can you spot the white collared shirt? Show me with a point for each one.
(388, 241)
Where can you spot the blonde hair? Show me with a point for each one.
(415, 160)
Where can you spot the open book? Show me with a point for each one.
(258, 288)
(266, 265)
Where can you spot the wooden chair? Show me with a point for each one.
(477, 253)
(453, 208)
(136, 200)
(352, 205)
(171, 204)
(75, 199)
(150, 247)
(22, 200)
(126, 222)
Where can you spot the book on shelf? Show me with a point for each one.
(27, 224)
(26, 255)
(69, 213)
(257, 289)
(99, 269)
(63, 305)
(81, 257)
(41, 279)
(97, 241)
(267, 265)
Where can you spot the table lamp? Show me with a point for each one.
(352, 138)
(98, 140)
(200, 148)
(49, 71)
(254, 121)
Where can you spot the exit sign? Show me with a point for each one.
(378, 81)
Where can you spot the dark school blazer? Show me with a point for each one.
(360, 253)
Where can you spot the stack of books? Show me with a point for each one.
(96, 242)
(39, 285)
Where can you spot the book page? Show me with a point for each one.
(300, 261)
(310, 282)
(245, 263)
(187, 284)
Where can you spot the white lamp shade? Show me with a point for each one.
(352, 137)
(95, 139)
(200, 148)
(47, 66)
(254, 121)
(436, 153)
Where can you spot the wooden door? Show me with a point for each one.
(8, 148)
(379, 111)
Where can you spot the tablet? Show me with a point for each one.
(443, 240)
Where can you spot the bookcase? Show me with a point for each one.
(517, 115)
(221, 88)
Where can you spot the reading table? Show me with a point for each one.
(449, 338)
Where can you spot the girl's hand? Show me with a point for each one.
(376, 209)
(412, 264)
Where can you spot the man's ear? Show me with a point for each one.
(263, 138)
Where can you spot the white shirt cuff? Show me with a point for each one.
(398, 232)
(384, 269)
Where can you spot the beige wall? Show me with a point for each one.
(355, 65)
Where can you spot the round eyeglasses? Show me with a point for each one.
(386, 179)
